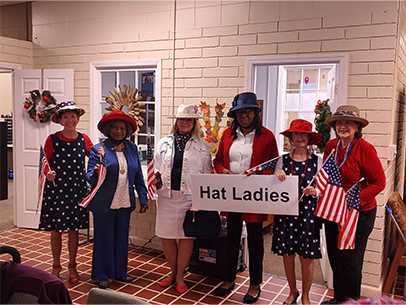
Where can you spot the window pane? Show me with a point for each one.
(293, 79)
(108, 82)
(310, 79)
(309, 101)
(150, 118)
(127, 78)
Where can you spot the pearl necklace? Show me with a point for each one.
(294, 172)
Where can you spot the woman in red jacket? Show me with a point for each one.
(356, 159)
(244, 145)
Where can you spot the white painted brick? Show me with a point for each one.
(208, 16)
(232, 82)
(370, 80)
(302, 24)
(234, 14)
(9, 41)
(203, 42)
(94, 57)
(201, 82)
(379, 92)
(154, 35)
(238, 40)
(188, 73)
(371, 31)
(376, 235)
(40, 52)
(220, 31)
(201, 63)
(269, 49)
(381, 67)
(185, 19)
(76, 50)
(220, 52)
(155, 54)
(178, 63)
(188, 34)
(231, 61)
(151, 45)
(356, 92)
(258, 28)
(264, 11)
(187, 92)
(345, 45)
(49, 60)
(220, 72)
(372, 256)
(388, 16)
(17, 50)
(294, 10)
(322, 34)
(371, 268)
(374, 246)
(220, 92)
(377, 140)
(382, 104)
(179, 44)
(26, 61)
(112, 48)
(358, 68)
(301, 47)
(278, 37)
(188, 53)
(346, 20)
(383, 43)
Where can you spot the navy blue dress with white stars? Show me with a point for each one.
(298, 234)
(60, 210)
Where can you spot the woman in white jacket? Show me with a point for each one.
(177, 157)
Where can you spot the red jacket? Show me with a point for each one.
(264, 148)
(363, 161)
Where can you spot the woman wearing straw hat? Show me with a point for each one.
(244, 145)
(299, 234)
(65, 187)
(177, 157)
(356, 159)
(114, 201)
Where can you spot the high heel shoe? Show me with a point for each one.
(294, 300)
(166, 283)
(249, 299)
(73, 279)
(56, 269)
(219, 292)
(181, 288)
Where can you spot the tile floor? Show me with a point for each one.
(148, 267)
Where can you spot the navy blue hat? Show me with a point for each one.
(244, 100)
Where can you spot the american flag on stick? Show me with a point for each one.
(332, 204)
(263, 166)
(346, 235)
(100, 178)
(43, 164)
(150, 170)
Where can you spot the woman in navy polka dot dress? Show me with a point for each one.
(65, 186)
(299, 234)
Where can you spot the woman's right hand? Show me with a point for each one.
(51, 175)
(96, 169)
(227, 171)
(281, 175)
(158, 180)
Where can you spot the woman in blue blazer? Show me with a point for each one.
(114, 201)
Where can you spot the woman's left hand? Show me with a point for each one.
(143, 208)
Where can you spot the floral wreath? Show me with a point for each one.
(40, 106)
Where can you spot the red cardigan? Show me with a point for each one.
(264, 148)
(363, 161)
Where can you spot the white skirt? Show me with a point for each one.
(170, 215)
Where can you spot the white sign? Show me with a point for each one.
(261, 194)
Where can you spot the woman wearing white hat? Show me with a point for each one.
(356, 159)
(177, 157)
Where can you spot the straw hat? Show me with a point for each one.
(186, 112)
(299, 125)
(65, 107)
(244, 100)
(346, 113)
(116, 115)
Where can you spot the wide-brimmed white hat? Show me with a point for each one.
(187, 112)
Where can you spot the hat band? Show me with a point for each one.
(347, 113)
(244, 101)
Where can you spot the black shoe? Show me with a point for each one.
(248, 299)
(332, 301)
(127, 279)
(103, 284)
(294, 300)
(219, 292)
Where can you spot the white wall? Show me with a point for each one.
(5, 93)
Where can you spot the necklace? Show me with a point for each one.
(294, 172)
(121, 162)
(347, 152)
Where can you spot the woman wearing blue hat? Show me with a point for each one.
(244, 145)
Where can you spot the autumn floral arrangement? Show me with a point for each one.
(40, 106)
(323, 112)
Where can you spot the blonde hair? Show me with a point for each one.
(195, 130)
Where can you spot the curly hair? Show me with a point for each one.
(105, 129)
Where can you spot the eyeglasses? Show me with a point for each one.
(246, 111)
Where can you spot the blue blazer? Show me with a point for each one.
(101, 201)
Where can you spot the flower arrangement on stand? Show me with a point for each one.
(322, 111)
(40, 106)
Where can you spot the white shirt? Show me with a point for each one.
(121, 198)
(241, 152)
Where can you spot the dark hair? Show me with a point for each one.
(358, 133)
(310, 136)
(105, 129)
(256, 123)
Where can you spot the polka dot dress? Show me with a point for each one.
(299, 234)
(60, 210)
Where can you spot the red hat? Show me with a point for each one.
(116, 115)
(300, 125)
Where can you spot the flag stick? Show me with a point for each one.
(259, 165)
(49, 165)
(395, 222)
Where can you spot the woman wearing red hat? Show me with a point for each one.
(299, 234)
(115, 199)
(244, 145)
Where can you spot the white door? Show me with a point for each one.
(29, 135)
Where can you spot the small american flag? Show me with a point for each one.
(150, 170)
(264, 166)
(332, 202)
(100, 178)
(346, 235)
(43, 164)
